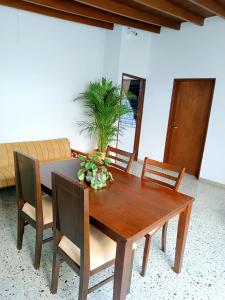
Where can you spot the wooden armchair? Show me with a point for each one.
(159, 173)
(86, 249)
(76, 153)
(120, 159)
(33, 208)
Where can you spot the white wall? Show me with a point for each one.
(192, 52)
(126, 53)
(135, 52)
(44, 64)
(112, 53)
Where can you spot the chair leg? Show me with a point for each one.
(164, 235)
(55, 273)
(130, 275)
(146, 254)
(38, 247)
(20, 232)
(83, 288)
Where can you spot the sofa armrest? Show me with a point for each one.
(76, 153)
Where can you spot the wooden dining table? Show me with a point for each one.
(126, 210)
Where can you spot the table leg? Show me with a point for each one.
(122, 269)
(182, 231)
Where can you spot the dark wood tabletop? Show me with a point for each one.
(126, 210)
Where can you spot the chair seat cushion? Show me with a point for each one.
(102, 248)
(7, 176)
(47, 210)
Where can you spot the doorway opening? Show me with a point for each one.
(130, 126)
(188, 123)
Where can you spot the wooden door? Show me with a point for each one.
(188, 123)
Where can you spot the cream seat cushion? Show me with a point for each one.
(102, 248)
(47, 210)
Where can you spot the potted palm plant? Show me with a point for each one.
(104, 108)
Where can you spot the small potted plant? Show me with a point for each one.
(94, 170)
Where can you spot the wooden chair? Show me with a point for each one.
(86, 249)
(33, 208)
(77, 153)
(120, 159)
(159, 173)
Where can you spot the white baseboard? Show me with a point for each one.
(212, 182)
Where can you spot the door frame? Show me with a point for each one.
(140, 112)
(172, 113)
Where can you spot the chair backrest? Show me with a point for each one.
(71, 212)
(120, 159)
(28, 184)
(77, 153)
(162, 173)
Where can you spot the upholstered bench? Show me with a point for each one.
(44, 151)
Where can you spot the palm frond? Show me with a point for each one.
(104, 107)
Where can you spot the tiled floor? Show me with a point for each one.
(202, 276)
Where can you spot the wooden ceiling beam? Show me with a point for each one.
(211, 6)
(72, 7)
(173, 10)
(131, 12)
(54, 13)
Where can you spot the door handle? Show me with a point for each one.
(174, 126)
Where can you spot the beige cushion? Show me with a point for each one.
(102, 248)
(47, 210)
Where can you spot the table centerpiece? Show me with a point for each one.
(94, 170)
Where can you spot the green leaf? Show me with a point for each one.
(99, 153)
(80, 171)
(81, 177)
(88, 165)
(94, 168)
(94, 184)
(107, 160)
(80, 174)
(83, 158)
(104, 169)
(110, 176)
(82, 164)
